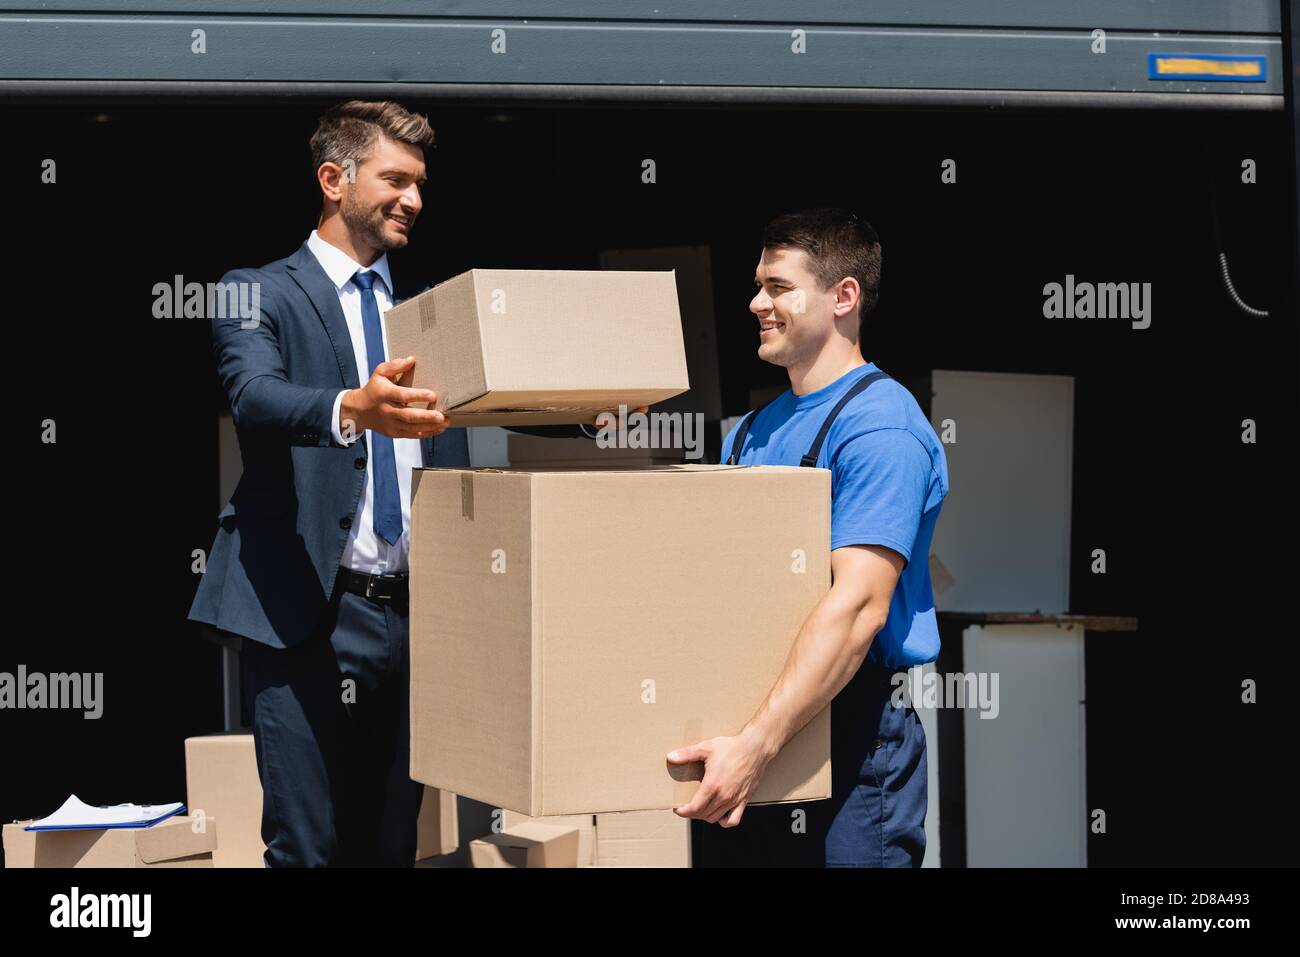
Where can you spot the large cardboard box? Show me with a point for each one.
(536, 346)
(179, 841)
(569, 629)
(221, 781)
(623, 839)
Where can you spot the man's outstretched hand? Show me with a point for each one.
(388, 408)
(391, 409)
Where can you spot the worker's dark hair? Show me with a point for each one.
(348, 131)
(838, 244)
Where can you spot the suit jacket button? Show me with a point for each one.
(345, 522)
(359, 464)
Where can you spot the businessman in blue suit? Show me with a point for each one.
(310, 559)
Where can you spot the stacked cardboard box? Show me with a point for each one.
(623, 839)
(527, 844)
(180, 841)
(602, 620)
(222, 782)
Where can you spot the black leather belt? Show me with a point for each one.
(375, 587)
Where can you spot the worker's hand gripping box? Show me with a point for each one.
(569, 629)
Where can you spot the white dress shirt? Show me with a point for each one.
(365, 551)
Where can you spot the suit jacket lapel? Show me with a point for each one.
(311, 278)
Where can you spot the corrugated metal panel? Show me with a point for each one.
(1222, 16)
(839, 51)
(428, 51)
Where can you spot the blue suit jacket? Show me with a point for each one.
(277, 551)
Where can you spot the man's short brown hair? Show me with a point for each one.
(348, 131)
(838, 244)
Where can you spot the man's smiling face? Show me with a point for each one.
(380, 208)
(795, 317)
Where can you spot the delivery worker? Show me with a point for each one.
(308, 572)
(818, 279)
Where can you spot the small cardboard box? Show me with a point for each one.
(173, 842)
(623, 839)
(603, 619)
(527, 844)
(584, 824)
(221, 781)
(542, 346)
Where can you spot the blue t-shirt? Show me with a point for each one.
(888, 480)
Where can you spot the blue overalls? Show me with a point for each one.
(875, 816)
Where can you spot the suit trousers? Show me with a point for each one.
(330, 720)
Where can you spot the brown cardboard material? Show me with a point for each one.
(643, 839)
(542, 346)
(602, 619)
(173, 842)
(584, 824)
(437, 831)
(527, 844)
(221, 780)
(622, 839)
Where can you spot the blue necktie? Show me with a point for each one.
(383, 461)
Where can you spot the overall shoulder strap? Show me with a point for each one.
(810, 459)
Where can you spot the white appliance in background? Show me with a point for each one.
(1002, 544)
(1004, 532)
(1026, 773)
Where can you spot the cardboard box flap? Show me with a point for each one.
(448, 355)
(174, 838)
